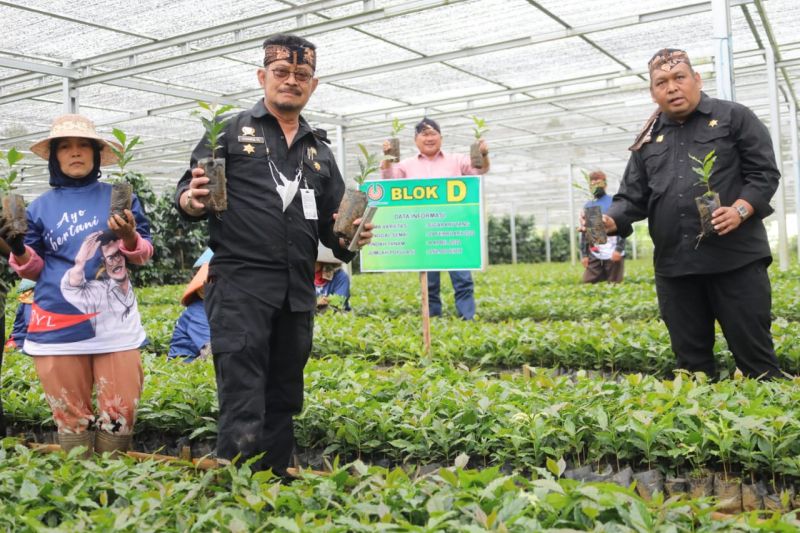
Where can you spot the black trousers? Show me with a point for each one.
(259, 356)
(604, 270)
(740, 300)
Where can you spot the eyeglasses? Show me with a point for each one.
(110, 259)
(299, 75)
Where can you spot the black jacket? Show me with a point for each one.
(659, 185)
(258, 247)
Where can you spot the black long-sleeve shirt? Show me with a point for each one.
(257, 246)
(659, 185)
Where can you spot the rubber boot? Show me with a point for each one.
(68, 441)
(113, 443)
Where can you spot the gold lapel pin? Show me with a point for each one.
(713, 123)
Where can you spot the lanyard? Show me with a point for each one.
(282, 180)
(286, 188)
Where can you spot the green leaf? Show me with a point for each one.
(13, 157)
(120, 135)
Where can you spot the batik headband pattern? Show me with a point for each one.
(297, 55)
(667, 60)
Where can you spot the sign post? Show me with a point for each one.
(425, 225)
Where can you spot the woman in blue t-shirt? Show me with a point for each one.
(85, 329)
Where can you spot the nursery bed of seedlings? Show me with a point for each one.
(40, 491)
(373, 397)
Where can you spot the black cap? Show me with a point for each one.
(426, 123)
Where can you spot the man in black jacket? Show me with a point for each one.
(283, 188)
(722, 276)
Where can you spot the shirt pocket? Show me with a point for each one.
(656, 158)
(718, 139)
(315, 174)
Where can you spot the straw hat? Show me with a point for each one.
(76, 126)
(197, 281)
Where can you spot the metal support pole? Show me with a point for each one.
(69, 93)
(775, 130)
(723, 59)
(513, 234)
(570, 188)
(634, 247)
(547, 257)
(796, 167)
(341, 155)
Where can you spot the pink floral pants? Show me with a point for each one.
(68, 381)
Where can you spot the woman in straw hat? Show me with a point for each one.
(84, 332)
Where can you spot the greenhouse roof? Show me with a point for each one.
(559, 82)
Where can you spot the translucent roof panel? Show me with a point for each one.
(559, 82)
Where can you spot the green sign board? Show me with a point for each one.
(425, 224)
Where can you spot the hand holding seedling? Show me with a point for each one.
(727, 219)
(124, 228)
(608, 222)
(192, 199)
(365, 237)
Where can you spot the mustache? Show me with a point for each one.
(296, 92)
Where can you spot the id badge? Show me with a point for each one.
(309, 204)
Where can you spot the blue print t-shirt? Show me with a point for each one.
(84, 302)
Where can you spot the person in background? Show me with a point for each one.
(23, 316)
(65, 240)
(191, 337)
(602, 262)
(330, 279)
(432, 162)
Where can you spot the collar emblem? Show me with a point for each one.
(660, 139)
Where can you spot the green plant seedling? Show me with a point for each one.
(397, 126)
(368, 164)
(480, 127)
(213, 124)
(9, 174)
(705, 170)
(217, 199)
(126, 154)
(584, 185)
(14, 218)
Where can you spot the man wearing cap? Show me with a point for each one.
(283, 189)
(722, 277)
(330, 279)
(191, 336)
(602, 262)
(432, 162)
